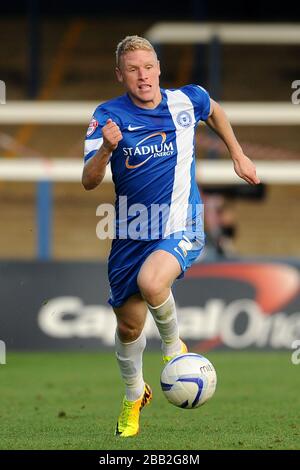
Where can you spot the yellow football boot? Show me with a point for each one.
(128, 422)
(184, 350)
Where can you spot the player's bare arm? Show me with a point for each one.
(94, 170)
(219, 123)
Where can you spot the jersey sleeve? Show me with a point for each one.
(94, 139)
(201, 101)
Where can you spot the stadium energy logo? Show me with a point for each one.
(160, 149)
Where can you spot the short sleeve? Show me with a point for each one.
(200, 100)
(204, 103)
(94, 139)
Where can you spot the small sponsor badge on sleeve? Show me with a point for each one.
(92, 127)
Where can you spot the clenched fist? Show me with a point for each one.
(111, 135)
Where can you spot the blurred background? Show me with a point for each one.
(57, 61)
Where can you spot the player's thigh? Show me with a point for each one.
(132, 313)
(160, 269)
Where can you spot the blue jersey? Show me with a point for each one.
(153, 167)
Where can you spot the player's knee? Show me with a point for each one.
(128, 332)
(150, 287)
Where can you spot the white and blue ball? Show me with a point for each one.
(188, 380)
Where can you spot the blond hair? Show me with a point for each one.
(132, 43)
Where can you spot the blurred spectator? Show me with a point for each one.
(220, 227)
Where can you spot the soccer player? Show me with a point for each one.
(147, 135)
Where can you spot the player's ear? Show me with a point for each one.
(158, 65)
(119, 75)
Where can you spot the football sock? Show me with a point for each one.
(165, 317)
(130, 359)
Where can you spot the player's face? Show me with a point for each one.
(139, 72)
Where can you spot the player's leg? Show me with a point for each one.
(155, 279)
(130, 345)
(171, 258)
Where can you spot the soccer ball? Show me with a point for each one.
(188, 380)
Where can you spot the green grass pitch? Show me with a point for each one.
(71, 401)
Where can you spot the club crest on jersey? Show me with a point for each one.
(92, 127)
(184, 119)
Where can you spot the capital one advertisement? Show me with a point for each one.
(236, 305)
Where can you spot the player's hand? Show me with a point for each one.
(245, 169)
(111, 135)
